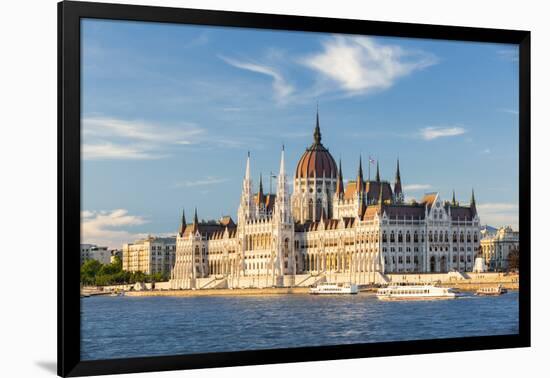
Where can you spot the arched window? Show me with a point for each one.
(462, 237)
(384, 237)
(446, 237)
(400, 237)
(441, 236)
(475, 237)
(415, 237)
(468, 237)
(454, 237)
(430, 237)
(408, 237)
(392, 237)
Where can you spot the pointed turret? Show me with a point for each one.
(282, 200)
(195, 222)
(360, 183)
(473, 202)
(377, 171)
(183, 223)
(247, 204)
(454, 199)
(261, 197)
(340, 182)
(397, 188)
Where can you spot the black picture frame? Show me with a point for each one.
(69, 16)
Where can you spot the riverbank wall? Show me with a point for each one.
(300, 284)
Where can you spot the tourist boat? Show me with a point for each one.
(334, 288)
(491, 291)
(413, 292)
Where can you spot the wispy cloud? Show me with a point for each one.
(209, 180)
(511, 54)
(431, 133)
(109, 228)
(360, 64)
(509, 111)
(112, 138)
(416, 187)
(281, 88)
(486, 151)
(499, 214)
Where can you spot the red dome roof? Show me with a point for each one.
(316, 161)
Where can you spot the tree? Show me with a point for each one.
(513, 259)
(88, 271)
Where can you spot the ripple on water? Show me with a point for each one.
(118, 327)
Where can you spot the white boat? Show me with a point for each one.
(334, 288)
(491, 291)
(415, 292)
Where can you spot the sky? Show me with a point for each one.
(169, 113)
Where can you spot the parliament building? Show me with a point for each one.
(325, 230)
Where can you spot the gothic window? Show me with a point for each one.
(422, 236)
(310, 210)
(475, 237)
(415, 237)
(400, 237)
(468, 238)
(392, 237)
(400, 260)
(461, 237)
(430, 237)
(454, 237)
(446, 237)
(441, 236)
(384, 237)
(408, 237)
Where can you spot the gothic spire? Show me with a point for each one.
(454, 198)
(377, 171)
(360, 183)
(183, 223)
(317, 132)
(340, 182)
(196, 218)
(282, 166)
(397, 189)
(473, 201)
(247, 172)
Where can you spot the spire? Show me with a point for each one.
(473, 201)
(247, 172)
(397, 189)
(317, 132)
(260, 192)
(196, 218)
(183, 223)
(454, 198)
(360, 182)
(377, 171)
(340, 182)
(282, 166)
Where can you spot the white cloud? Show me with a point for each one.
(486, 151)
(416, 187)
(113, 138)
(430, 133)
(210, 180)
(510, 111)
(499, 214)
(360, 64)
(281, 88)
(511, 55)
(107, 228)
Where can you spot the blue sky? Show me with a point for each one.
(170, 111)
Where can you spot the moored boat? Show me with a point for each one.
(491, 291)
(334, 288)
(413, 292)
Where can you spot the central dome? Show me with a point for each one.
(316, 161)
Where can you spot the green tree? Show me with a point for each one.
(513, 259)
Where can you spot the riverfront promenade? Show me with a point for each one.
(460, 281)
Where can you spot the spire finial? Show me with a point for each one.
(454, 198)
(377, 171)
(317, 132)
(398, 174)
(473, 199)
(183, 223)
(196, 218)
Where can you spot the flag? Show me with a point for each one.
(371, 160)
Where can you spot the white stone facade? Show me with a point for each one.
(357, 232)
(496, 248)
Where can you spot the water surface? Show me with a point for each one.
(118, 327)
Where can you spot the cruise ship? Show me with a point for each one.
(334, 288)
(416, 293)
